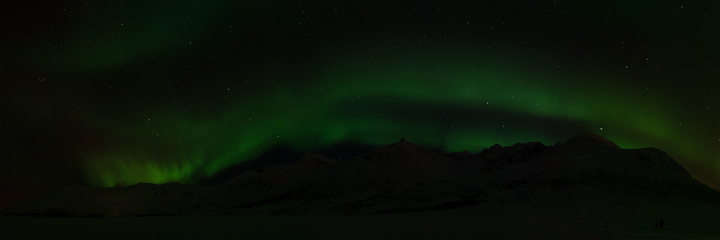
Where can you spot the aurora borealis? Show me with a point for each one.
(113, 94)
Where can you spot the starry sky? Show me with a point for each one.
(113, 93)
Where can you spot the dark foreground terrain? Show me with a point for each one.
(512, 221)
(584, 188)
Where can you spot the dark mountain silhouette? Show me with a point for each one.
(404, 177)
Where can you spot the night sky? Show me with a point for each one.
(113, 93)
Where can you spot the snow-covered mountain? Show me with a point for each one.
(404, 177)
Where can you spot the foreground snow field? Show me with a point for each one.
(521, 220)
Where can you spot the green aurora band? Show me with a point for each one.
(377, 105)
(454, 97)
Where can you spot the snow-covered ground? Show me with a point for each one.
(518, 220)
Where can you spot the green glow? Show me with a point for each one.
(464, 92)
(373, 107)
(111, 35)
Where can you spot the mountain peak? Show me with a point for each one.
(311, 159)
(589, 140)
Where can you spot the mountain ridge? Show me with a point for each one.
(404, 177)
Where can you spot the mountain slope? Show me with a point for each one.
(404, 177)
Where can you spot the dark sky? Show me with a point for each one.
(112, 93)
